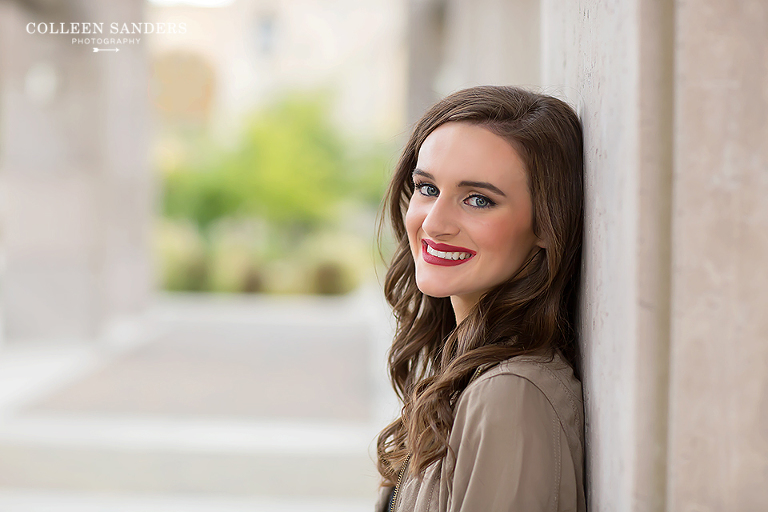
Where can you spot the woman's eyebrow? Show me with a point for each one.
(482, 184)
(471, 184)
(422, 173)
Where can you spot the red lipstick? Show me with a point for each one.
(436, 260)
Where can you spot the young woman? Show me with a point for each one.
(486, 206)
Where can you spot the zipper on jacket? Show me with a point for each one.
(399, 482)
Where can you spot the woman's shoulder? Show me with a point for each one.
(521, 419)
(549, 375)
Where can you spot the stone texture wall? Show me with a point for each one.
(593, 59)
(674, 102)
(718, 435)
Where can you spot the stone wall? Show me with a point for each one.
(674, 103)
(718, 435)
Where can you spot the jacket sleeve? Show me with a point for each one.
(506, 440)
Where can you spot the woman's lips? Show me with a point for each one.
(444, 254)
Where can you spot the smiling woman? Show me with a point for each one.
(486, 205)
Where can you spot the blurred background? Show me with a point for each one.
(191, 313)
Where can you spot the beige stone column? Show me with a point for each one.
(454, 44)
(426, 41)
(613, 63)
(674, 103)
(495, 42)
(718, 435)
(74, 176)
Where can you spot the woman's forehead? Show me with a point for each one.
(459, 151)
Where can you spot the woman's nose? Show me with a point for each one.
(441, 219)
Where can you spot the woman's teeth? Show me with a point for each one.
(448, 255)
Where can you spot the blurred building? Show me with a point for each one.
(93, 410)
(259, 49)
(74, 176)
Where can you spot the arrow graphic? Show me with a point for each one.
(106, 49)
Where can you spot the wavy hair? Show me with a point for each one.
(432, 360)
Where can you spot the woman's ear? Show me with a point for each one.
(541, 243)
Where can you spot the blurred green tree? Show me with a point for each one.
(288, 169)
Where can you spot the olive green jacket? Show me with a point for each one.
(518, 436)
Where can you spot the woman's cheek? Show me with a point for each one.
(413, 220)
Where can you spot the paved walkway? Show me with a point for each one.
(221, 403)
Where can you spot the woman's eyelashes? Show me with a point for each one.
(426, 189)
(473, 200)
(479, 201)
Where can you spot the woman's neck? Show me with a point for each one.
(463, 304)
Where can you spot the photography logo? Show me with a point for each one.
(102, 36)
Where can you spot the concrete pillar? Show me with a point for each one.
(496, 42)
(674, 105)
(609, 61)
(426, 33)
(74, 176)
(454, 44)
(718, 436)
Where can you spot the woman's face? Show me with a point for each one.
(469, 221)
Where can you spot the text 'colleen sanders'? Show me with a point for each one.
(113, 28)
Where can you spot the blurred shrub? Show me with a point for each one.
(329, 278)
(237, 256)
(181, 256)
(336, 261)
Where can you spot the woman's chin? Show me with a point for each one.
(432, 289)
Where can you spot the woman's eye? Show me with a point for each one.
(479, 201)
(427, 190)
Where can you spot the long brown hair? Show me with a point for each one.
(432, 360)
